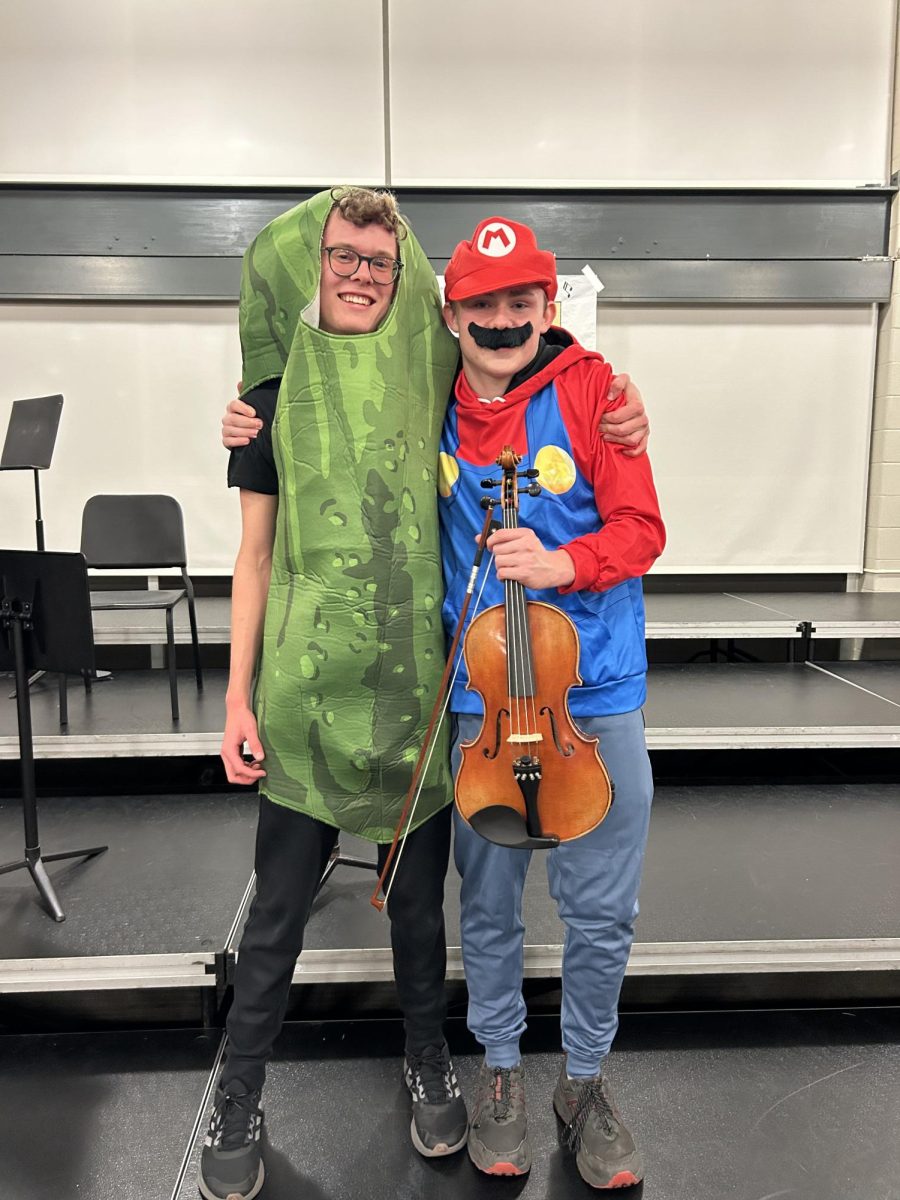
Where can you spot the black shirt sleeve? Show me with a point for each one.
(253, 466)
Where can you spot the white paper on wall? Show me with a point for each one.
(576, 300)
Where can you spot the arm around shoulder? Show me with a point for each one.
(632, 536)
(626, 423)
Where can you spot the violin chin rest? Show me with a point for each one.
(502, 825)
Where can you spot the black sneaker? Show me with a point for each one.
(440, 1122)
(498, 1139)
(605, 1152)
(231, 1166)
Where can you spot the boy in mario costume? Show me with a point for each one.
(582, 545)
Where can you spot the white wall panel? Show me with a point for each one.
(192, 91)
(144, 390)
(644, 92)
(760, 431)
(760, 424)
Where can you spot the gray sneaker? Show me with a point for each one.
(231, 1166)
(498, 1133)
(604, 1149)
(440, 1123)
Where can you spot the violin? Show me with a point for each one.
(531, 779)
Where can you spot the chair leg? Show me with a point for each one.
(170, 655)
(63, 700)
(195, 642)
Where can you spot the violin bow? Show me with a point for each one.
(422, 762)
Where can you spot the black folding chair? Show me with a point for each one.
(145, 532)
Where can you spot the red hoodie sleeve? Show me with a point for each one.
(632, 536)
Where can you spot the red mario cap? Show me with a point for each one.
(501, 254)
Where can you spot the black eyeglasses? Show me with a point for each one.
(346, 262)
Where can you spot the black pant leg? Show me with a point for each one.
(418, 939)
(292, 851)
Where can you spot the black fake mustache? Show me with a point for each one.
(500, 339)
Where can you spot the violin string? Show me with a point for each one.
(527, 668)
(514, 655)
(510, 629)
(428, 757)
(529, 655)
(521, 679)
(525, 662)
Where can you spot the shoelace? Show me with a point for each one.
(432, 1069)
(591, 1100)
(504, 1093)
(501, 1095)
(238, 1114)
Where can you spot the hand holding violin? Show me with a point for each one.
(519, 554)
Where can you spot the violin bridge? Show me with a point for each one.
(523, 739)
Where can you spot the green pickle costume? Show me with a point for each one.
(353, 647)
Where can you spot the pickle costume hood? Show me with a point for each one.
(353, 647)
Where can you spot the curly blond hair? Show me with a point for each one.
(369, 206)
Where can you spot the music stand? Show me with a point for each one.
(45, 624)
(30, 438)
(337, 859)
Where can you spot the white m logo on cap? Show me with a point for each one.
(496, 240)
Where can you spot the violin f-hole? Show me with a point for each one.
(498, 737)
(566, 750)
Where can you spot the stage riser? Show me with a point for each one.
(206, 1008)
(758, 892)
(168, 972)
(725, 705)
(703, 615)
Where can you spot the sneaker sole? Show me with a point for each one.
(601, 1180)
(622, 1179)
(254, 1191)
(438, 1151)
(519, 1162)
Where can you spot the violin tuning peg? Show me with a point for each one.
(531, 473)
(489, 483)
(533, 489)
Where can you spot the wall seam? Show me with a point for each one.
(881, 562)
(386, 87)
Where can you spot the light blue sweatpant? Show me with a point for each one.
(594, 881)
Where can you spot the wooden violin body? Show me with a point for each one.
(531, 778)
(530, 717)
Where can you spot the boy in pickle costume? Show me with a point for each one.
(345, 351)
(353, 645)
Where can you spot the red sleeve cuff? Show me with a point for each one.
(585, 563)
